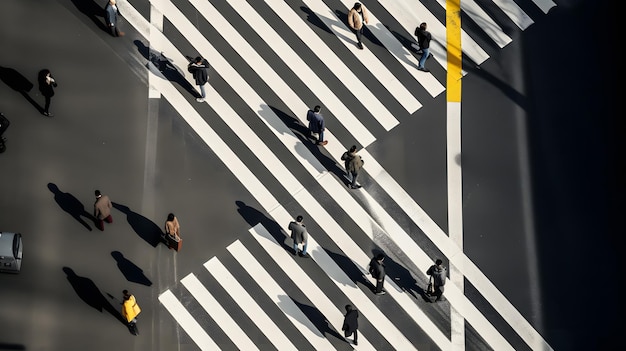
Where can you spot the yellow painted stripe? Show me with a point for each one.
(453, 41)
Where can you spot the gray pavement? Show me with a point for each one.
(540, 182)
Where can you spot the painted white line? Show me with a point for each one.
(411, 14)
(282, 300)
(216, 311)
(334, 64)
(248, 305)
(486, 23)
(187, 322)
(402, 54)
(544, 5)
(367, 58)
(515, 13)
(318, 297)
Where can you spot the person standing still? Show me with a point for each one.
(46, 87)
(351, 323)
(299, 235)
(102, 210)
(439, 274)
(198, 68)
(316, 124)
(172, 230)
(130, 311)
(353, 164)
(357, 18)
(110, 15)
(377, 270)
(423, 39)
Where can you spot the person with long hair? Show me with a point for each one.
(46, 86)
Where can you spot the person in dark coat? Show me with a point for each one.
(439, 274)
(353, 164)
(110, 16)
(316, 124)
(102, 210)
(377, 270)
(423, 39)
(46, 87)
(198, 68)
(299, 235)
(351, 323)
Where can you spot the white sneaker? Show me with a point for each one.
(200, 100)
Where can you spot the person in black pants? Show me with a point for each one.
(377, 270)
(439, 274)
(46, 87)
(351, 323)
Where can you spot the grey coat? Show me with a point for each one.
(298, 232)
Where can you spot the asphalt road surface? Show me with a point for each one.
(542, 178)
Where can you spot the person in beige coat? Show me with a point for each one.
(357, 18)
(102, 210)
(172, 231)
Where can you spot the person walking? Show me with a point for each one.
(423, 39)
(377, 270)
(316, 124)
(46, 86)
(110, 16)
(439, 273)
(357, 18)
(353, 164)
(299, 235)
(130, 311)
(172, 231)
(198, 68)
(351, 323)
(102, 210)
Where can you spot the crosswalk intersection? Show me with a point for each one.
(269, 51)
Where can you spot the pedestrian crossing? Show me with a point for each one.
(349, 83)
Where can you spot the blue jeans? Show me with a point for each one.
(202, 92)
(424, 57)
(354, 176)
(295, 247)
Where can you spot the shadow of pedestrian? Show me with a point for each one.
(90, 294)
(145, 228)
(71, 205)
(131, 272)
(16, 81)
(254, 217)
(313, 18)
(353, 272)
(315, 316)
(93, 11)
(8, 347)
(164, 68)
(402, 277)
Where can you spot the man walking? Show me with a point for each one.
(353, 164)
(46, 87)
(377, 270)
(299, 235)
(198, 68)
(423, 39)
(316, 124)
(110, 15)
(102, 210)
(438, 273)
(351, 323)
(130, 311)
(357, 18)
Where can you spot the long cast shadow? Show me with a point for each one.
(71, 205)
(131, 271)
(145, 228)
(315, 316)
(87, 290)
(350, 269)
(93, 11)
(16, 81)
(402, 277)
(6, 346)
(254, 217)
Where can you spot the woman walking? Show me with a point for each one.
(46, 87)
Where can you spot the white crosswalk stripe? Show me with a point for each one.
(372, 220)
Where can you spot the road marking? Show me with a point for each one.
(248, 305)
(280, 298)
(187, 322)
(515, 13)
(482, 19)
(216, 311)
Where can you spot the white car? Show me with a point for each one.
(10, 252)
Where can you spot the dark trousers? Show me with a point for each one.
(359, 34)
(114, 31)
(379, 285)
(46, 107)
(439, 292)
(100, 222)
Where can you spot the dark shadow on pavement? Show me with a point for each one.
(504, 86)
(316, 317)
(254, 217)
(350, 269)
(93, 11)
(163, 65)
(131, 271)
(402, 277)
(315, 20)
(90, 294)
(145, 228)
(71, 205)
(16, 81)
(8, 347)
